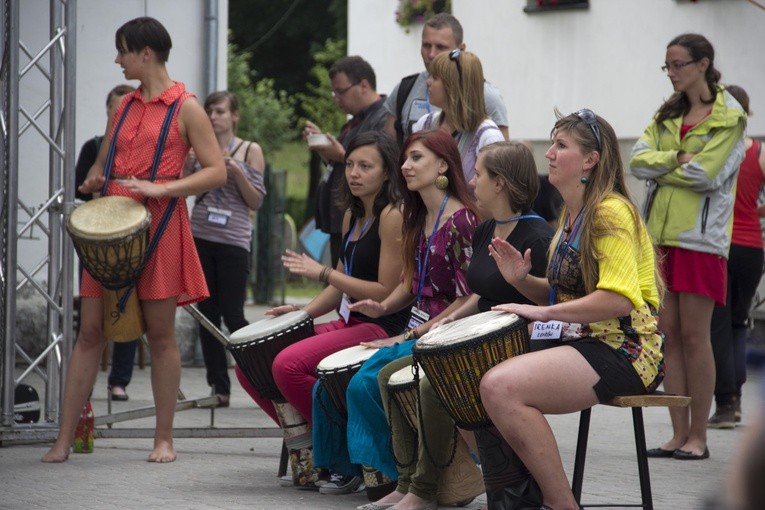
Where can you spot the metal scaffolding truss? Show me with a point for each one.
(54, 62)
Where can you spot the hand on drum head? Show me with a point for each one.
(301, 265)
(530, 312)
(368, 307)
(281, 310)
(445, 320)
(92, 184)
(384, 342)
(513, 266)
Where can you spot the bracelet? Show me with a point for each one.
(410, 334)
(324, 274)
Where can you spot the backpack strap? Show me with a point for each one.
(404, 89)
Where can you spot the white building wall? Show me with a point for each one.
(606, 57)
(97, 22)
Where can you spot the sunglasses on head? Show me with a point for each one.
(454, 56)
(589, 117)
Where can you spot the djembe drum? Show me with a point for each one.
(254, 347)
(111, 237)
(335, 373)
(455, 357)
(461, 481)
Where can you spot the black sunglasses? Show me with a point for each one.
(589, 117)
(454, 56)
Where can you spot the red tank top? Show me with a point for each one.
(747, 230)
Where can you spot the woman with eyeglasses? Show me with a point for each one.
(456, 86)
(690, 154)
(600, 298)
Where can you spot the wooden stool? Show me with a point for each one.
(637, 403)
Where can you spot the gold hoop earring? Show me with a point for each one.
(442, 182)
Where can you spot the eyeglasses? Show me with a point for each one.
(454, 56)
(676, 66)
(338, 93)
(589, 117)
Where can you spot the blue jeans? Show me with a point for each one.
(123, 357)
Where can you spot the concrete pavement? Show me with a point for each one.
(240, 473)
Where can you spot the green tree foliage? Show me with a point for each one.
(266, 115)
(283, 35)
(317, 104)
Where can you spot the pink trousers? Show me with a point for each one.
(294, 368)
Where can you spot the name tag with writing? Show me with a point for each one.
(218, 216)
(550, 330)
(417, 317)
(345, 312)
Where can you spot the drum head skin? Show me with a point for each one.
(468, 328)
(107, 218)
(403, 377)
(346, 358)
(268, 327)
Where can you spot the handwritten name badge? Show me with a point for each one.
(550, 330)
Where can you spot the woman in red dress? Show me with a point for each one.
(173, 276)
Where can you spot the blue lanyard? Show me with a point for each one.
(559, 258)
(348, 266)
(517, 218)
(422, 266)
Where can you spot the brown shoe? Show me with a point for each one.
(724, 417)
(737, 406)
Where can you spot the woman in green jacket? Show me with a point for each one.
(690, 154)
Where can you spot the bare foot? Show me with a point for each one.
(163, 452)
(57, 453)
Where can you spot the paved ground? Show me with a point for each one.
(240, 473)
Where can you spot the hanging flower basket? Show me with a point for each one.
(418, 11)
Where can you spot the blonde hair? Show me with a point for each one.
(465, 105)
(606, 180)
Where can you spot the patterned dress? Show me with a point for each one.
(174, 269)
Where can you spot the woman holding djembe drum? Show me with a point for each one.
(600, 298)
(173, 276)
(505, 186)
(369, 267)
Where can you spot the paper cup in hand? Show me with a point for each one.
(317, 140)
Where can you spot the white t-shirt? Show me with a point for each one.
(468, 143)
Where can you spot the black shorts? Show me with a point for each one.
(617, 377)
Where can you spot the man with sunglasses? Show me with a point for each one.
(409, 100)
(354, 90)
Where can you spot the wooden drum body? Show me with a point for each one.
(335, 373)
(255, 347)
(457, 355)
(111, 237)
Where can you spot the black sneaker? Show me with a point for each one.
(339, 484)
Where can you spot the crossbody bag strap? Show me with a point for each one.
(173, 202)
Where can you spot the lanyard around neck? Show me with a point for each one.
(348, 265)
(422, 266)
(557, 259)
(517, 218)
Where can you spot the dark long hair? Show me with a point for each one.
(390, 192)
(443, 146)
(698, 47)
